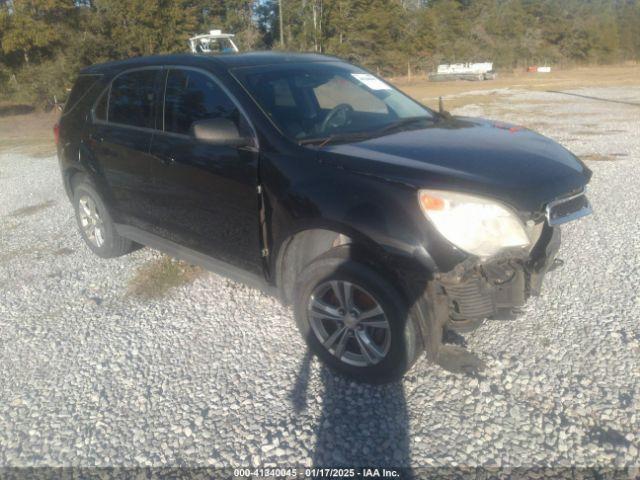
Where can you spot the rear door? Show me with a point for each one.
(205, 195)
(124, 123)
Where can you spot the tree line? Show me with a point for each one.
(43, 43)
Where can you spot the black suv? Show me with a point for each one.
(381, 221)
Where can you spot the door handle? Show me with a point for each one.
(167, 160)
(96, 138)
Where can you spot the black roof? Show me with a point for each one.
(231, 60)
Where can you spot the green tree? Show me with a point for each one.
(44, 42)
(143, 27)
(34, 27)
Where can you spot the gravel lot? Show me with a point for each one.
(215, 373)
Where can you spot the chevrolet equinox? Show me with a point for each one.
(380, 221)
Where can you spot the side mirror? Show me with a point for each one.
(219, 131)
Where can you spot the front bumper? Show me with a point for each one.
(478, 291)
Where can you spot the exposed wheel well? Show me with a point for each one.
(300, 250)
(73, 177)
(303, 248)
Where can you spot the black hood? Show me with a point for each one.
(510, 163)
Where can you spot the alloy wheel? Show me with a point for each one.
(350, 323)
(90, 220)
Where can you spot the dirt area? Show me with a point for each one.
(461, 93)
(30, 134)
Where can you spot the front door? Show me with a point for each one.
(205, 195)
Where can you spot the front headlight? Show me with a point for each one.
(477, 225)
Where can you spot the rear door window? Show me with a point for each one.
(132, 99)
(191, 96)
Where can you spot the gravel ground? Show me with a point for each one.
(215, 373)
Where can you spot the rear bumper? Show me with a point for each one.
(493, 290)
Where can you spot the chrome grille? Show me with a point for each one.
(568, 209)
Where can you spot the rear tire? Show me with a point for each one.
(355, 343)
(95, 223)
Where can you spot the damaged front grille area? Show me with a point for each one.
(477, 291)
(487, 290)
(469, 300)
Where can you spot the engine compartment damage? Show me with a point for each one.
(478, 290)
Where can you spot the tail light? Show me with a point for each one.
(56, 133)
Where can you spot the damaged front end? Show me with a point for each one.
(495, 288)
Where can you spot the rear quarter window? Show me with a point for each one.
(84, 84)
(100, 110)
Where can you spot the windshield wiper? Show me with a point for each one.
(399, 124)
(345, 137)
(336, 137)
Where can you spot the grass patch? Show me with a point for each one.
(588, 133)
(616, 131)
(535, 126)
(598, 157)
(570, 79)
(30, 134)
(483, 100)
(39, 150)
(33, 147)
(10, 228)
(598, 132)
(17, 253)
(156, 277)
(31, 209)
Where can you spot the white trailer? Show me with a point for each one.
(213, 42)
(463, 71)
(471, 68)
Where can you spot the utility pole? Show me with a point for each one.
(315, 28)
(281, 24)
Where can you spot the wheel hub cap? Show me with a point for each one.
(350, 320)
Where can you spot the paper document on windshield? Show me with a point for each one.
(370, 81)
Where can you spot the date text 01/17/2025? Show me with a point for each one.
(316, 473)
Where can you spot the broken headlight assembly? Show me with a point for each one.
(477, 225)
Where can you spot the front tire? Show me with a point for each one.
(95, 223)
(355, 320)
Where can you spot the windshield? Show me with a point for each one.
(316, 101)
